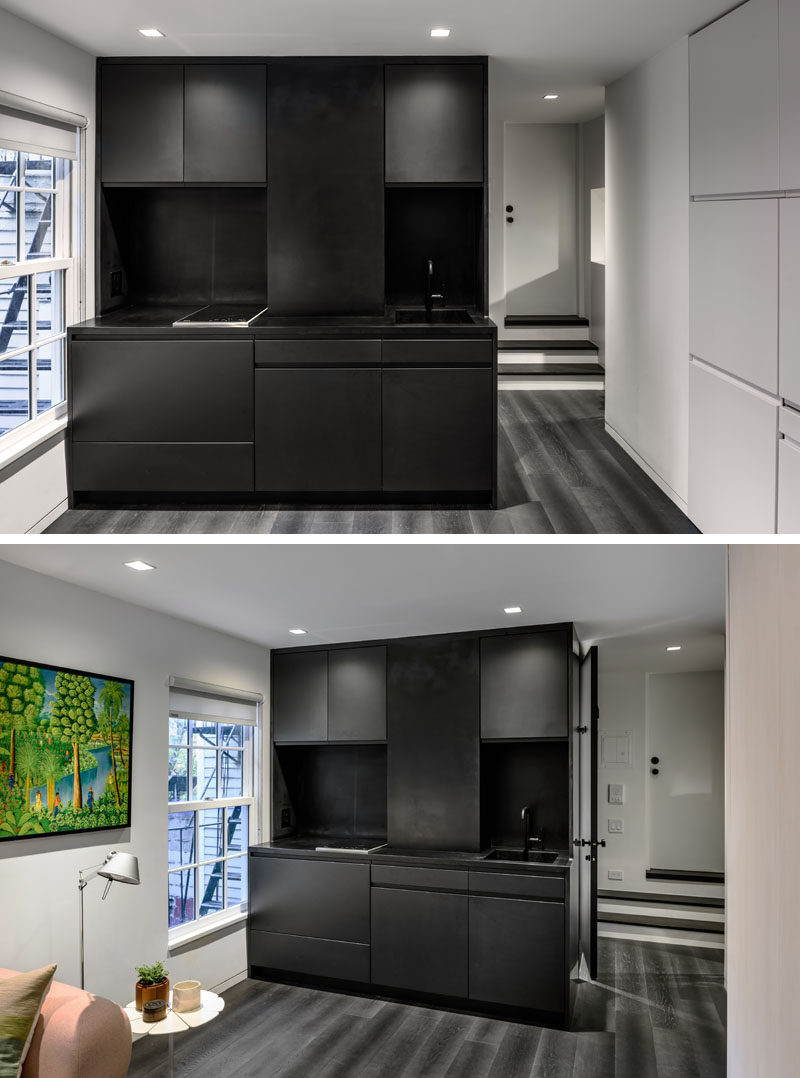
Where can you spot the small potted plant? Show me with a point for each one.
(153, 983)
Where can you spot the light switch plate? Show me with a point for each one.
(616, 874)
(615, 827)
(616, 793)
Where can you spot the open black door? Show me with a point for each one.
(588, 839)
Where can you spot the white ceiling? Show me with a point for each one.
(575, 47)
(631, 599)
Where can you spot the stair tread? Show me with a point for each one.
(550, 368)
(547, 346)
(647, 896)
(545, 320)
(665, 921)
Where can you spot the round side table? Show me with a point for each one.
(176, 1021)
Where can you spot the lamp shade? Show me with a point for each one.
(123, 867)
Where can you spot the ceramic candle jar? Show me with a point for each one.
(186, 996)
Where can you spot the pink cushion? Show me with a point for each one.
(78, 1035)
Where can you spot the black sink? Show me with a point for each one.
(535, 857)
(453, 316)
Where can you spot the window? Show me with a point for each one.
(212, 810)
(38, 291)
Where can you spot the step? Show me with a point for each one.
(665, 916)
(678, 937)
(515, 321)
(543, 369)
(680, 876)
(548, 346)
(712, 901)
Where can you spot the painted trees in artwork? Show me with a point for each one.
(72, 719)
(21, 699)
(112, 699)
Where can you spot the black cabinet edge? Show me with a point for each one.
(468, 634)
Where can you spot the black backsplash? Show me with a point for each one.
(525, 773)
(335, 790)
(188, 245)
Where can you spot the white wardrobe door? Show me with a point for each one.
(789, 373)
(788, 488)
(790, 94)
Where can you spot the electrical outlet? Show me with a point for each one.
(615, 827)
(616, 874)
(286, 818)
(616, 793)
(116, 283)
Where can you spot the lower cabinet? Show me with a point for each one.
(789, 473)
(419, 940)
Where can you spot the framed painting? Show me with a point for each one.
(65, 750)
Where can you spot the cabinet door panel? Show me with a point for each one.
(525, 685)
(300, 696)
(162, 391)
(321, 899)
(789, 94)
(225, 123)
(437, 429)
(434, 123)
(419, 941)
(734, 288)
(182, 467)
(326, 191)
(516, 953)
(789, 373)
(733, 102)
(733, 435)
(141, 125)
(788, 488)
(357, 694)
(318, 430)
(309, 955)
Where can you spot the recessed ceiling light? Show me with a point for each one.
(674, 647)
(440, 31)
(139, 566)
(298, 632)
(512, 609)
(150, 31)
(551, 97)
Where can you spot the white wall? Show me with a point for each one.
(593, 175)
(686, 800)
(763, 809)
(647, 249)
(37, 65)
(56, 623)
(623, 709)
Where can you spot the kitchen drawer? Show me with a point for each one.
(309, 897)
(162, 466)
(321, 353)
(516, 885)
(161, 391)
(427, 353)
(310, 956)
(427, 879)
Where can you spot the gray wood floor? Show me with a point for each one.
(558, 472)
(655, 1011)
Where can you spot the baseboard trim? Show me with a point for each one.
(646, 468)
(237, 978)
(49, 518)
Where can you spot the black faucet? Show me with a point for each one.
(526, 819)
(430, 295)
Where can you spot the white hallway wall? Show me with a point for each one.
(42, 67)
(647, 271)
(593, 175)
(56, 623)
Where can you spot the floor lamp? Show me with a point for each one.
(123, 867)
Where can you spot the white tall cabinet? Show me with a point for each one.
(744, 107)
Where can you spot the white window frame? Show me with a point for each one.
(67, 256)
(201, 926)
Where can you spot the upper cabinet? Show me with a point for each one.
(525, 685)
(435, 123)
(300, 696)
(733, 95)
(166, 123)
(141, 123)
(790, 94)
(225, 123)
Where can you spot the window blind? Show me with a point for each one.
(212, 703)
(35, 127)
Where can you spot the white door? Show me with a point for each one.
(686, 798)
(541, 244)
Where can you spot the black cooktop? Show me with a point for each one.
(237, 315)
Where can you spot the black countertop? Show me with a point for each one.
(303, 846)
(156, 321)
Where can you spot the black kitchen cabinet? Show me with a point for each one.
(141, 123)
(438, 425)
(225, 123)
(357, 694)
(434, 758)
(419, 940)
(525, 685)
(162, 391)
(318, 429)
(434, 123)
(516, 953)
(326, 188)
(300, 696)
(162, 467)
(291, 929)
